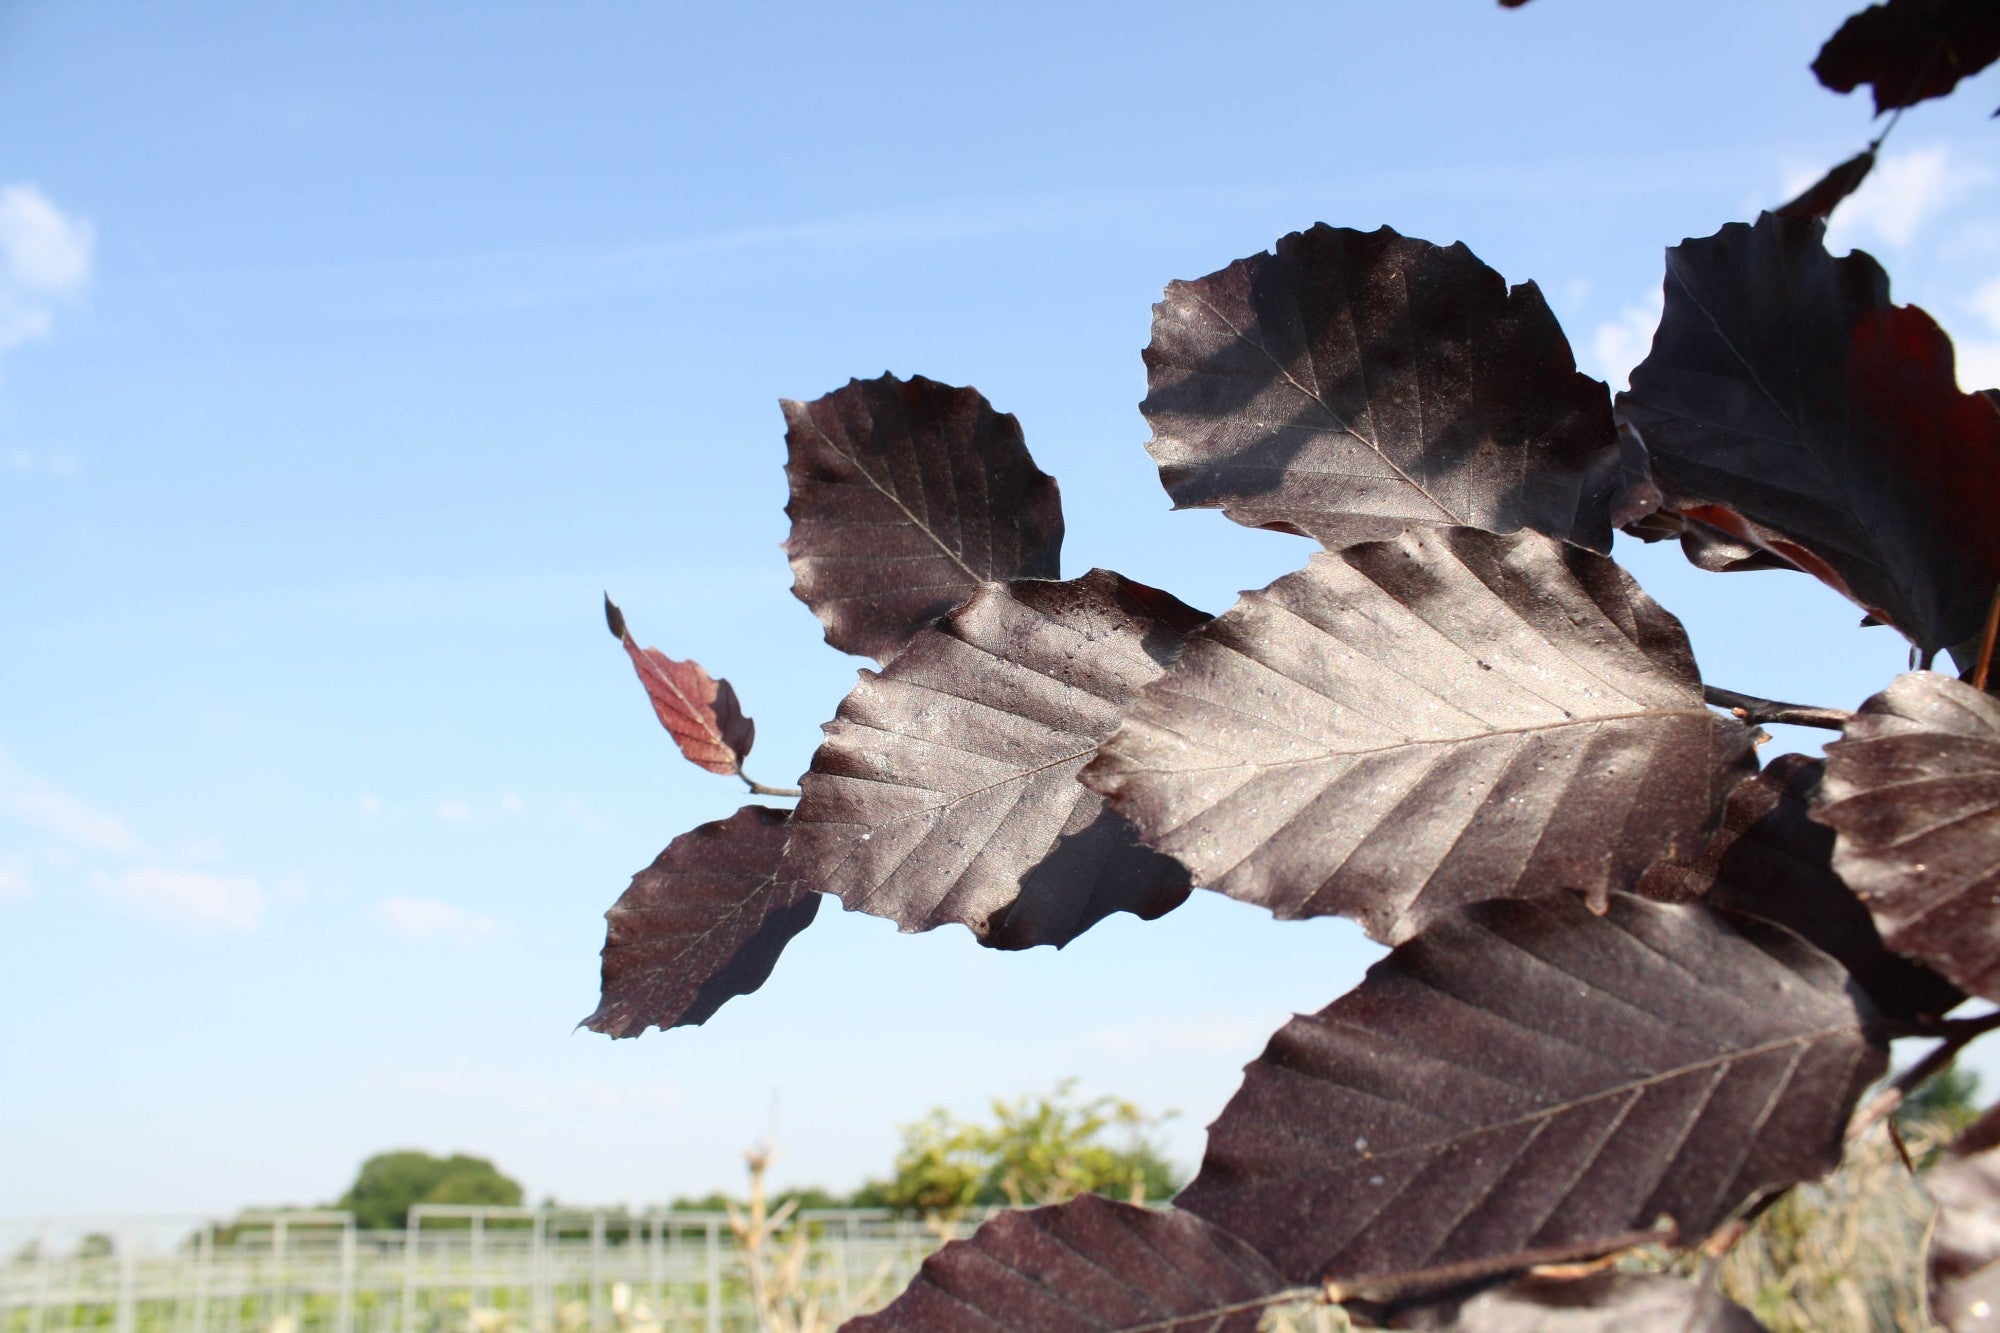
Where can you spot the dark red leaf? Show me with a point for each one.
(1965, 1241)
(1086, 1266)
(946, 787)
(1771, 859)
(706, 921)
(1530, 1075)
(698, 711)
(1611, 1301)
(1910, 50)
(1822, 196)
(1912, 790)
(1789, 404)
(906, 495)
(1406, 726)
(1351, 383)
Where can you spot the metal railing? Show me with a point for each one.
(455, 1270)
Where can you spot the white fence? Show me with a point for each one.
(456, 1270)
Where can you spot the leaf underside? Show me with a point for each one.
(698, 711)
(1788, 403)
(1086, 1266)
(1912, 790)
(1964, 1258)
(1406, 726)
(1349, 383)
(1611, 1301)
(1910, 50)
(946, 789)
(905, 496)
(1527, 1075)
(1771, 859)
(705, 922)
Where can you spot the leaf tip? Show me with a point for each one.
(614, 618)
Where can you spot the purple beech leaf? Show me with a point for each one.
(1786, 402)
(1964, 1256)
(1910, 50)
(946, 789)
(706, 921)
(1348, 384)
(1771, 859)
(907, 495)
(1611, 1301)
(1086, 1266)
(1825, 194)
(1912, 790)
(1403, 727)
(1530, 1075)
(698, 711)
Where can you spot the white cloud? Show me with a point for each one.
(46, 257)
(1904, 193)
(429, 919)
(370, 804)
(228, 901)
(455, 812)
(52, 461)
(1979, 358)
(1622, 343)
(14, 883)
(48, 808)
(512, 804)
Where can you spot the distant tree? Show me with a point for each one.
(1949, 1101)
(1037, 1150)
(390, 1183)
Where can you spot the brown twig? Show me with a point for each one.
(1752, 709)
(759, 789)
(1957, 1034)
(1393, 1287)
(1986, 644)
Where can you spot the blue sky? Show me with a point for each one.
(348, 352)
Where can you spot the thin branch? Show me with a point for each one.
(1398, 1286)
(1750, 708)
(1958, 1033)
(1986, 643)
(759, 789)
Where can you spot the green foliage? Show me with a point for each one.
(391, 1183)
(1037, 1150)
(1948, 1101)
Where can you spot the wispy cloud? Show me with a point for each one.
(46, 257)
(47, 808)
(14, 882)
(456, 812)
(369, 804)
(229, 902)
(430, 919)
(52, 462)
(1619, 344)
(1902, 196)
(1979, 358)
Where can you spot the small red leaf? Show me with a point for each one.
(698, 711)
